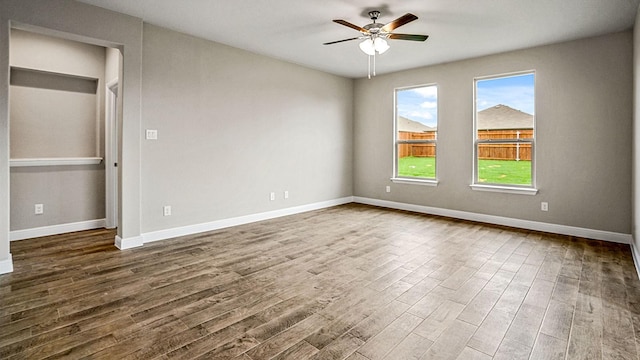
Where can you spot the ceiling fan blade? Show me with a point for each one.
(348, 24)
(406, 18)
(339, 41)
(408, 37)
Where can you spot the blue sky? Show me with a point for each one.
(420, 104)
(513, 91)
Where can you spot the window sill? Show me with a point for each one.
(425, 182)
(505, 189)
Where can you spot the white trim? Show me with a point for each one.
(56, 229)
(55, 161)
(504, 189)
(128, 243)
(6, 265)
(499, 220)
(241, 220)
(111, 153)
(424, 182)
(636, 258)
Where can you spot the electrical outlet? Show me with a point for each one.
(544, 206)
(272, 196)
(286, 194)
(167, 210)
(152, 134)
(39, 209)
(388, 188)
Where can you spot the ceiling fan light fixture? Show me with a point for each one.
(380, 45)
(368, 47)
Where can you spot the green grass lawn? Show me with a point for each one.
(417, 167)
(504, 172)
(489, 171)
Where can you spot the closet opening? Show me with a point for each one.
(65, 116)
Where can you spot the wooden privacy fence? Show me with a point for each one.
(516, 151)
(505, 151)
(508, 151)
(418, 150)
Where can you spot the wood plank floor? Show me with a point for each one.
(350, 282)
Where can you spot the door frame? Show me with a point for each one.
(111, 154)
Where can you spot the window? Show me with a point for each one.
(505, 133)
(415, 133)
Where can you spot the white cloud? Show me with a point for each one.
(429, 105)
(429, 92)
(420, 114)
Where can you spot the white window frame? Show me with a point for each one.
(408, 179)
(504, 188)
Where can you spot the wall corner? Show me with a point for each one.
(6, 265)
(128, 243)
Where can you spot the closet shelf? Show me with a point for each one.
(54, 161)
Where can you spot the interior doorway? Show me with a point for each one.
(64, 111)
(111, 155)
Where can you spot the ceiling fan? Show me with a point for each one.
(376, 34)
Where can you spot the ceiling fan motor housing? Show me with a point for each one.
(374, 28)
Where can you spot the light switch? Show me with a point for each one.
(152, 134)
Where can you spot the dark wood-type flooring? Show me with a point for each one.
(350, 282)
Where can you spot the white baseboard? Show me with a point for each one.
(499, 220)
(6, 265)
(56, 229)
(128, 243)
(636, 257)
(241, 220)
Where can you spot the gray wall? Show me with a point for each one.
(69, 194)
(50, 123)
(56, 123)
(234, 126)
(636, 134)
(583, 125)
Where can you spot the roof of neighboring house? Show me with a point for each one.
(504, 117)
(408, 125)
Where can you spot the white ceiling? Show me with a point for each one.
(294, 30)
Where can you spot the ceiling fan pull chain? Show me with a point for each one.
(369, 67)
(374, 63)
